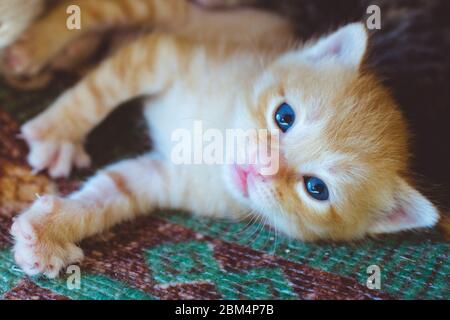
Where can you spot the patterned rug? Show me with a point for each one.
(170, 255)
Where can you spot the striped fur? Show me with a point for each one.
(15, 17)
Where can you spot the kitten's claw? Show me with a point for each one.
(47, 151)
(39, 246)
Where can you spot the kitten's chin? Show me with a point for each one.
(242, 184)
(247, 189)
(250, 191)
(236, 181)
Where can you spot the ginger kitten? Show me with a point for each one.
(343, 144)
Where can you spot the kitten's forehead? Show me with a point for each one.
(302, 79)
(316, 94)
(332, 165)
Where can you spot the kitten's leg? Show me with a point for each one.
(46, 234)
(145, 67)
(44, 40)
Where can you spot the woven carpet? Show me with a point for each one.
(170, 255)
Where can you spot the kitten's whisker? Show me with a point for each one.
(245, 217)
(269, 236)
(281, 211)
(275, 245)
(249, 224)
(249, 217)
(264, 224)
(256, 219)
(254, 228)
(259, 228)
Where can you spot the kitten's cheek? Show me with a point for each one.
(253, 193)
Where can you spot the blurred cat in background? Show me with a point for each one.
(15, 17)
(343, 142)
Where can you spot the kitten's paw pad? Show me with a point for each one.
(46, 258)
(58, 156)
(18, 59)
(40, 247)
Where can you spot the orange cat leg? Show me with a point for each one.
(145, 67)
(44, 40)
(46, 234)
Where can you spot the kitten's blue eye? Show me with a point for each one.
(316, 188)
(284, 117)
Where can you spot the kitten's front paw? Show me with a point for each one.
(22, 58)
(51, 152)
(40, 247)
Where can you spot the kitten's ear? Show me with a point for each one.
(348, 45)
(411, 210)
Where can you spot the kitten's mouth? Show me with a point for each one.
(240, 179)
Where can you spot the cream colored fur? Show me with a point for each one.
(15, 17)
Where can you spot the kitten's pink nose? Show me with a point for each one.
(246, 175)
